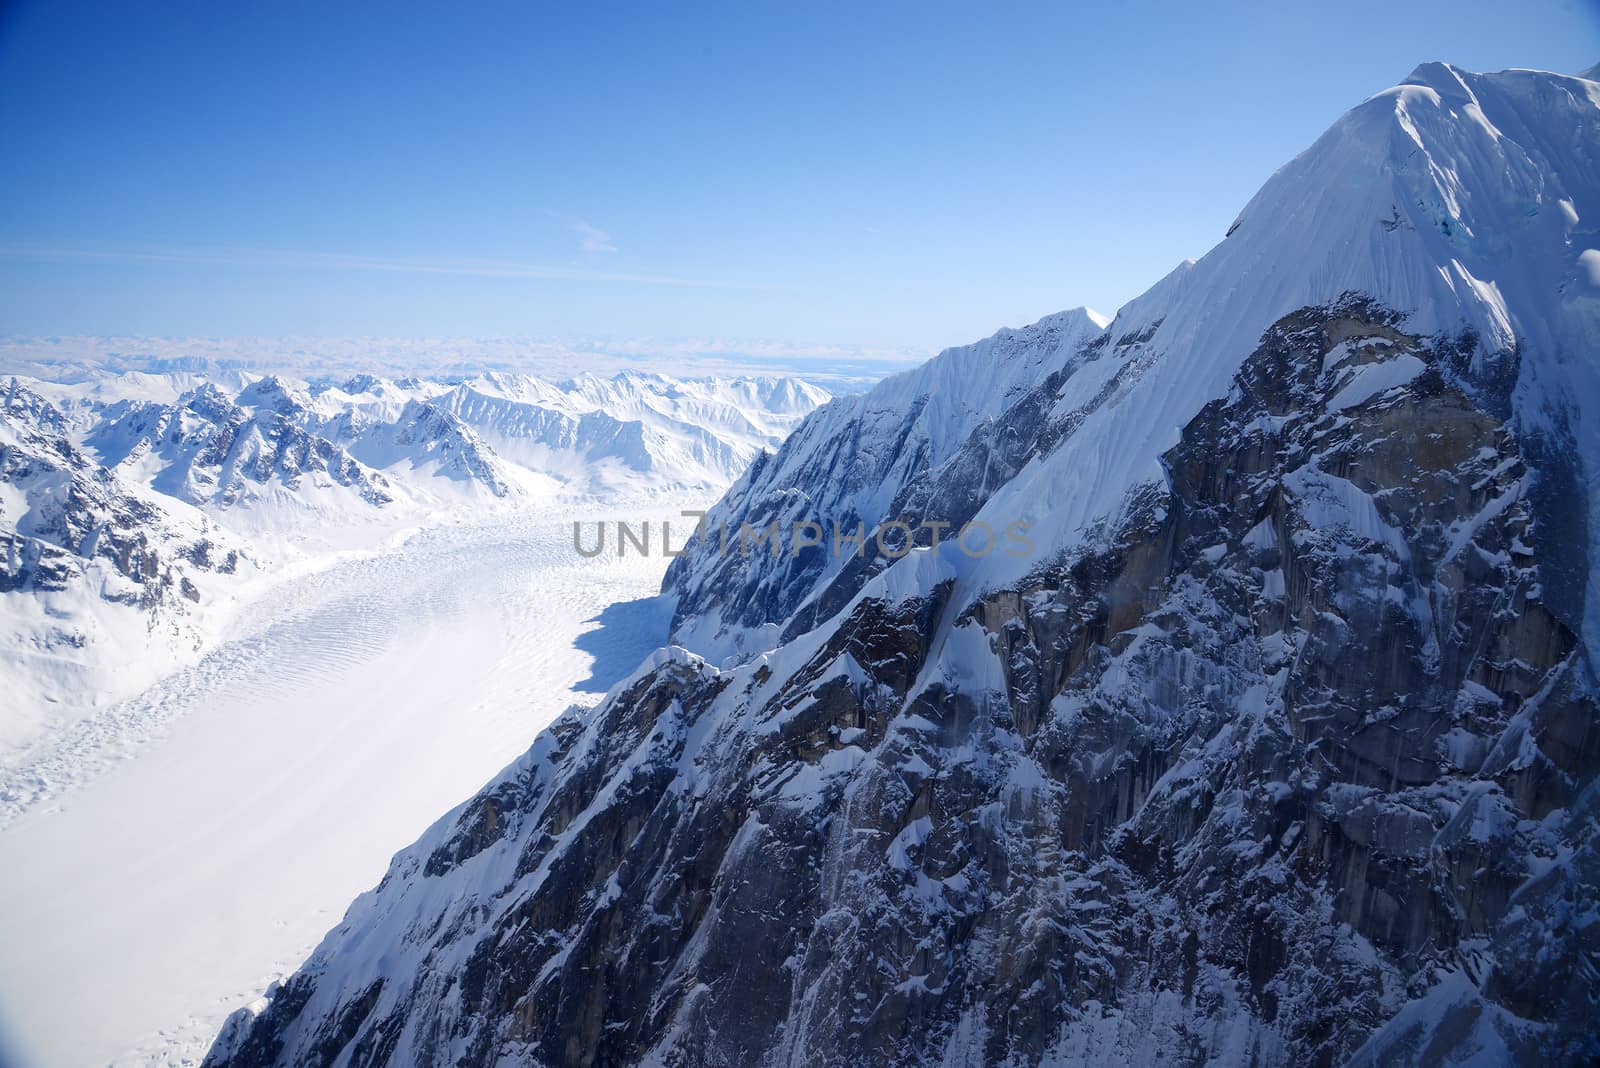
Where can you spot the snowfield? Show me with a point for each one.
(173, 855)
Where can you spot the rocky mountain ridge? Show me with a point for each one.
(1280, 749)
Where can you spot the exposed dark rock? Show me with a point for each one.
(1297, 743)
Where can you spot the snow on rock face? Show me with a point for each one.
(208, 449)
(1156, 803)
(431, 440)
(853, 462)
(498, 435)
(1455, 198)
(634, 430)
(93, 573)
(1281, 748)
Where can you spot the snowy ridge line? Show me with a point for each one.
(863, 459)
(1282, 751)
(1452, 155)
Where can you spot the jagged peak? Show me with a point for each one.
(273, 392)
(362, 383)
(1081, 315)
(207, 398)
(1442, 78)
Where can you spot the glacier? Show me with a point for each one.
(239, 603)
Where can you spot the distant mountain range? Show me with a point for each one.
(837, 368)
(132, 505)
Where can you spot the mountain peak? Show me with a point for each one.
(1442, 78)
(1079, 316)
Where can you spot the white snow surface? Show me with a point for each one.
(874, 443)
(1487, 174)
(929, 411)
(186, 848)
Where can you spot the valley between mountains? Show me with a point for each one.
(245, 667)
(180, 851)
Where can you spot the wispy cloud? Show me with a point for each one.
(841, 368)
(323, 261)
(592, 238)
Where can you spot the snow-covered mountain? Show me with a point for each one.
(211, 449)
(863, 459)
(634, 429)
(496, 434)
(137, 509)
(96, 575)
(1279, 746)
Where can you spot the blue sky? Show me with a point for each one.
(878, 175)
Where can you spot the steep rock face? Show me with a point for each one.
(1464, 201)
(1301, 744)
(62, 513)
(210, 449)
(1281, 749)
(861, 462)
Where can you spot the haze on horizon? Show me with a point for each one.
(902, 178)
